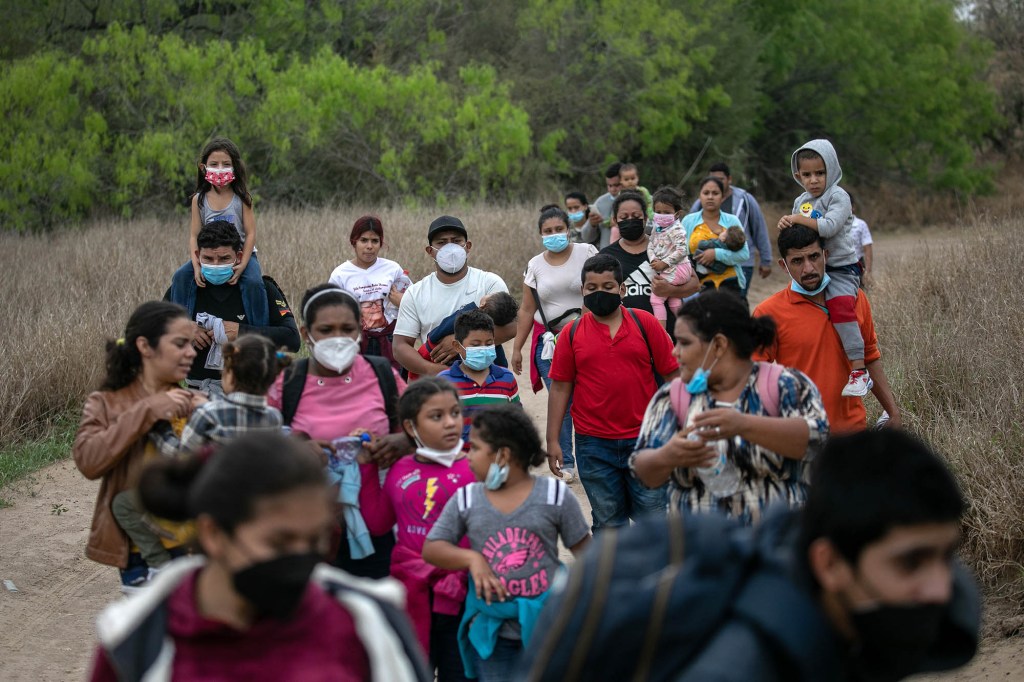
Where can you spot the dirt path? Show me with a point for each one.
(46, 627)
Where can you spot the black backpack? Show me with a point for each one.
(658, 380)
(295, 380)
(642, 602)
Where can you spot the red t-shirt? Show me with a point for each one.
(807, 341)
(319, 644)
(613, 377)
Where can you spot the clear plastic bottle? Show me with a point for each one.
(401, 283)
(722, 478)
(347, 448)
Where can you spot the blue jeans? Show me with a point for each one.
(615, 496)
(565, 433)
(748, 272)
(501, 666)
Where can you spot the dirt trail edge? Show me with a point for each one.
(46, 627)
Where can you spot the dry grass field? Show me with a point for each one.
(947, 312)
(946, 307)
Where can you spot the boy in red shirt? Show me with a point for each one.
(610, 362)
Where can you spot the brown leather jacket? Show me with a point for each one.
(110, 445)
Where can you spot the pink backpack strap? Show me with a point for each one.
(679, 399)
(768, 374)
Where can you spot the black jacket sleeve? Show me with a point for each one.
(282, 330)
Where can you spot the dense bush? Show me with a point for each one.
(106, 104)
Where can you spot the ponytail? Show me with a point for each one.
(254, 363)
(164, 486)
(762, 331)
(148, 321)
(723, 312)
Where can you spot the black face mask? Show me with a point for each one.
(276, 587)
(895, 639)
(631, 229)
(602, 303)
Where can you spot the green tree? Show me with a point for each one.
(895, 85)
(53, 142)
(377, 134)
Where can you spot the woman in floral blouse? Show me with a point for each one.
(730, 434)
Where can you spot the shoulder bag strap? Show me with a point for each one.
(768, 374)
(388, 388)
(650, 353)
(291, 389)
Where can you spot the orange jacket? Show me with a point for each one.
(807, 341)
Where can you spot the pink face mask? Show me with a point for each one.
(664, 219)
(220, 177)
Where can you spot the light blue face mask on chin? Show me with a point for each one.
(795, 286)
(698, 383)
(496, 476)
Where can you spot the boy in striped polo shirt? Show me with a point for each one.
(479, 381)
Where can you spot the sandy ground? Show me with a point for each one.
(46, 626)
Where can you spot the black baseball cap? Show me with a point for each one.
(446, 223)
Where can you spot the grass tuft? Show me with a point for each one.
(949, 323)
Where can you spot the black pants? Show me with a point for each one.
(376, 566)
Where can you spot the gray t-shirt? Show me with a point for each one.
(521, 547)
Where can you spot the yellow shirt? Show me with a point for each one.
(699, 234)
(172, 533)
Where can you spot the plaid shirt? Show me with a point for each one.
(218, 421)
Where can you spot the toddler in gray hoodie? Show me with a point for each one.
(825, 207)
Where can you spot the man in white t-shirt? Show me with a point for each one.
(862, 243)
(452, 285)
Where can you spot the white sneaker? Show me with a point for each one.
(882, 421)
(568, 474)
(859, 385)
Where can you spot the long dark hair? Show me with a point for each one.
(723, 312)
(228, 484)
(509, 426)
(239, 185)
(254, 363)
(149, 321)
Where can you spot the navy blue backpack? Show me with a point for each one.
(642, 602)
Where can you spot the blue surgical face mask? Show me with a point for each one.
(795, 286)
(556, 243)
(480, 357)
(496, 476)
(576, 217)
(217, 274)
(698, 383)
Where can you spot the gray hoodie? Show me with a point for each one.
(834, 204)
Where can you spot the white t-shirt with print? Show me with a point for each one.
(559, 286)
(371, 286)
(861, 236)
(429, 300)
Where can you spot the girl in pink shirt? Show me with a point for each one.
(414, 493)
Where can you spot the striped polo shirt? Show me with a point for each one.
(499, 388)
